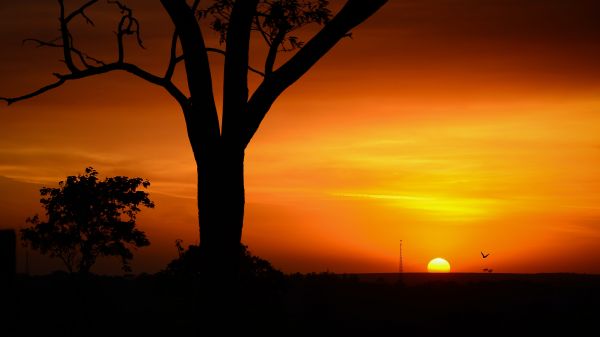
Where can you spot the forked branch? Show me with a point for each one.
(81, 11)
(128, 25)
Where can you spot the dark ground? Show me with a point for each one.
(311, 305)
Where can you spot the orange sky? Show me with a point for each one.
(457, 126)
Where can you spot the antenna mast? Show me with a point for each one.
(400, 266)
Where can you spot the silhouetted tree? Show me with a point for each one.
(88, 218)
(219, 148)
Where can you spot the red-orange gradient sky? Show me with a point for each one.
(458, 126)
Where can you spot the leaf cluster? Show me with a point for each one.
(275, 20)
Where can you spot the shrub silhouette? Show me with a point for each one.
(252, 268)
(88, 218)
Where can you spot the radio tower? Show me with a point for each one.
(400, 266)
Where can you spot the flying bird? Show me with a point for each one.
(484, 255)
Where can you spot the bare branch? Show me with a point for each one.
(78, 53)
(82, 56)
(256, 71)
(81, 11)
(222, 52)
(41, 43)
(176, 59)
(115, 66)
(263, 33)
(273, 49)
(66, 39)
(128, 25)
(215, 50)
(120, 47)
(173, 58)
(97, 61)
(11, 100)
(87, 19)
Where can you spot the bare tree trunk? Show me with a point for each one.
(221, 214)
(221, 211)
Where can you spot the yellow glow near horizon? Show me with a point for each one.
(438, 265)
(437, 207)
(451, 141)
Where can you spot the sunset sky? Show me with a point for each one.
(457, 126)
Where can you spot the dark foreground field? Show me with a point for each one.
(311, 305)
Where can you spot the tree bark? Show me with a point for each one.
(221, 200)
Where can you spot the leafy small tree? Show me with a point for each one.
(88, 218)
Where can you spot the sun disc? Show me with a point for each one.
(438, 265)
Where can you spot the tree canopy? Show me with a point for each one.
(88, 218)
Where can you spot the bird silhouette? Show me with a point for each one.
(484, 255)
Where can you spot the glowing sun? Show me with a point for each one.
(438, 265)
